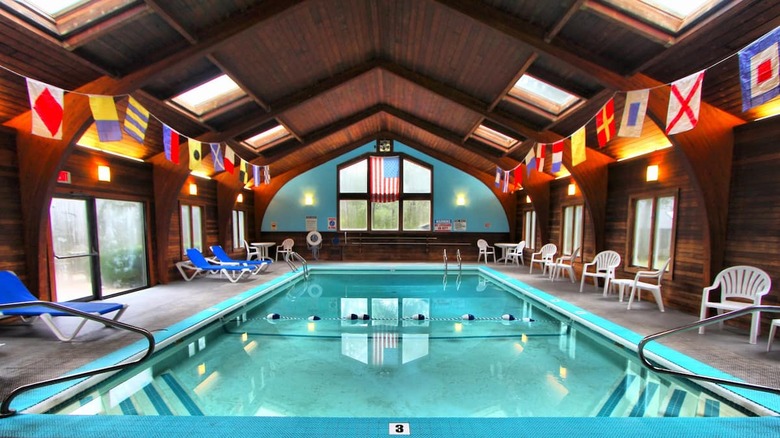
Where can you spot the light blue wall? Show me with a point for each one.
(482, 212)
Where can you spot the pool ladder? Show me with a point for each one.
(457, 255)
(293, 267)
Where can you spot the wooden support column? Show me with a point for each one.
(592, 178)
(537, 186)
(228, 188)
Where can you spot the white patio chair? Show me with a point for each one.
(740, 287)
(485, 250)
(564, 264)
(604, 265)
(544, 255)
(516, 254)
(285, 248)
(251, 251)
(653, 285)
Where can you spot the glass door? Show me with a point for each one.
(99, 247)
(74, 254)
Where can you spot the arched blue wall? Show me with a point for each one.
(482, 212)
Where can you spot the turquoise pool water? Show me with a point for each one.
(307, 350)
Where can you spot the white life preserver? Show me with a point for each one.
(314, 238)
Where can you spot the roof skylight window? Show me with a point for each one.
(53, 8)
(543, 95)
(492, 136)
(209, 96)
(268, 137)
(670, 15)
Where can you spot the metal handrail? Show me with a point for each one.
(702, 323)
(293, 267)
(460, 260)
(5, 410)
(445, 260)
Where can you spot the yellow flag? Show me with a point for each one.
(195, 153)
(578, 147)
(243, 171)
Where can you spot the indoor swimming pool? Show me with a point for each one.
(403, 343)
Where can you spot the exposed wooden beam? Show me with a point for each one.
(166, 16)
(93, 32)
(515, 78)
(565, 18)
(630, 23)
(248, 90)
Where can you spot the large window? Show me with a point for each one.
(529, 229)
(571, 230)
(191, 227)
(360, 211)
(652, 230)
(238, 229)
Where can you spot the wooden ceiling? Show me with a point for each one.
(340, 73)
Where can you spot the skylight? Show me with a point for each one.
(268, 137)
(670, 15)
(209, 96)
(53, 8)
(494, 137)
(543, 95)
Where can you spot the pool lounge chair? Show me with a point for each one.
(13, 291)
(223, 258)
(197, 264)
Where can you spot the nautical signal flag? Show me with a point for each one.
(684, 103)
(216, 156)
(578, 154)
(196, 153)
(557, 156)
(634, 113)
(230, 160)
(48, 108)
(106, 119)
(530, 162)
(385, 181)
(136, 120)
(256, 174)
(267, 174)
(605, 123)
(758, 70)
(171, 144)
(507, 176)
(518, 177)
(243, 171)
(540, 154)
(499, 175)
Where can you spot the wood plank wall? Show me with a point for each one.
(12, 255)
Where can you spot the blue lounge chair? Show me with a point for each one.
(224, 259)
(198, 265)
(13, 291)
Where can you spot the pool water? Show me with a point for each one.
(432, 345)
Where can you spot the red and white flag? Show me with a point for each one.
(605, 123)
(229, 160)
(557, 156)
(48, 108)
(540, 153)
(385, 179)
(684, 104)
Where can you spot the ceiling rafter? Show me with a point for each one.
(246, 89)
(96, 31)
(556, 29)
(160, 10)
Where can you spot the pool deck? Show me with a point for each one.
(31, 352)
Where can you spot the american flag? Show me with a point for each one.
(383, 340)
(384, 179)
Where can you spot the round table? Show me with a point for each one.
(505, 247)
(262, 249)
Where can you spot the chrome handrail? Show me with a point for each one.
(293, 267)
(702, 323)
(5, 410)
(460, 261)
(445, 260)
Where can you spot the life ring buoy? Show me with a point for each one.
(315, 290)
(314, 238)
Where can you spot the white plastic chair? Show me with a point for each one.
(745, 283)
(485, 250)
(516, 254)
(285, 248)
(564, 264)
(545, 254)
(604, 265)
(653, 286)
(251, 251)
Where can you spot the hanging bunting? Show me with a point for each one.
(196, 153)
(634, 113)
(216, 156)
(267, 174)
(243, 171)
(499, 175)
(684, 102)
(136, 120)
(758, 70)
(557, 156)
(578, 154)
(230, 160)
(505, 187)
(518, 178)
(540, 154)
(605, 123)
(48, 108)
(106, 118)
(256, 174)
(171, 144)
(530, 162)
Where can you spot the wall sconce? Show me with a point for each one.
(308, 199)
(240, 198)
(572, 190)
(460, 199)
(652, 173)
(527, 199)
(104, 173)
(193, 189)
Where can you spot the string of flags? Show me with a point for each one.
(48, 108)
(759, 81)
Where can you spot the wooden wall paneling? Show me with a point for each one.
(228, 188)
(537, 186)
(592, 178)
(12, 247)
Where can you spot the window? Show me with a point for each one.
(238, 229)
(411, 212)
(269, 137)
(670, 15)
(652, 232)
(571, 232)
(209, 96)
(191, 227)
(529, 229)
(493, 137)
(542, 95)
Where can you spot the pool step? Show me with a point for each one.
(163, 396)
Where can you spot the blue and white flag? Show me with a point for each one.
(530, 162)
(499, 175)
(217, 157)
(758, 70)
(634, 113)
